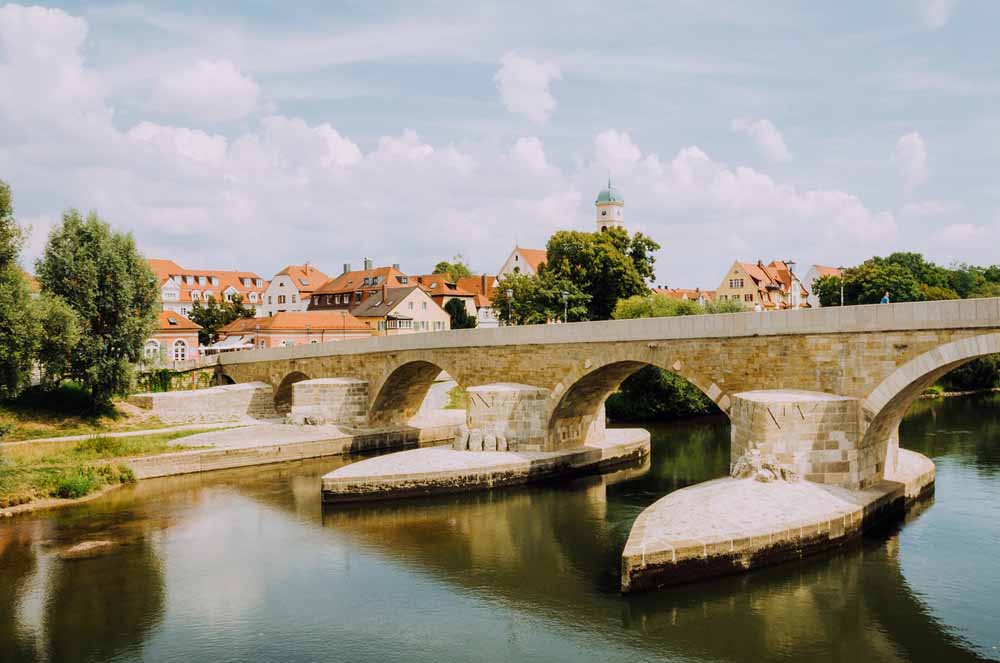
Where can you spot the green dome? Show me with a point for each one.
(609, 195)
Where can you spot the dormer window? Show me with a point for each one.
(304, 281)
(172, 322)
(202, 280)
(403, 279)
(368, 281)
(215, 280)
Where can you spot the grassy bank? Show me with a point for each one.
(66, 411)
(69, 470)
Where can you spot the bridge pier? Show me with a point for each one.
(813, 435)
(505, 416)
(330, 401)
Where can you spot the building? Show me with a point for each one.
(523, 261)
(816, 272)
(610, 206)
(482, 287)
(291, 289)
(442, 291)
(175, 339)
(288, 328)
(771, 287)
(402, 311)
(697, 295)
(354, 287)
(180, 288)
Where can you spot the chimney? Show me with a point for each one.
(368, 263)
(395, 266)
(347, 267)
(482, 283)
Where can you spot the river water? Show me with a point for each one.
(248, 566)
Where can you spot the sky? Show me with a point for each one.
(254, 135)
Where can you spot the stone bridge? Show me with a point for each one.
(879, 357)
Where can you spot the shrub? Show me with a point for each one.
(115, 473)
(652, 393)
(76, 482)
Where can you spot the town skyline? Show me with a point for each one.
(410, 137)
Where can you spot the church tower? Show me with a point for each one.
(609, 205)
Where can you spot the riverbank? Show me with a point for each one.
(33, 472)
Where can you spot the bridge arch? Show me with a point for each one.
(884, 408)
(576, 408)
(403, 387)
(283, 393)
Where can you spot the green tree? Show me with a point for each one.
(19, 329)
(101, 275)
(936, 293)
(868, 282)
(63, 330)
(536, 300)
(606, 266)
(456, 269)
(925, 272)
(460, 318)
(654, 306)
(214, 315)
(966, 279)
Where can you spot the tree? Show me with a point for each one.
(654, 306)
(936, 293)
(537, 300)
(214, 315)
(606, 266)
(19, 329)
(55, 348)
(460, 318)
(457, 269)
(101, 275)
(925, 272)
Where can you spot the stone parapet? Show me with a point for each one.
(216, 404)
(815, 435)
(330, 401)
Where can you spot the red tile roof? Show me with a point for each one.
(534, 257)
(684, 293)
(170, 321)
(168, 269)
(305, 277)
(296, 321)
(483, 287)
(438, 284)
(827, 271)
(355, 280)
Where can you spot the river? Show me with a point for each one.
(247, 565)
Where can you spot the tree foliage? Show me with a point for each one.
(19, 328)
(605, 266)
(100, 274)
(456, 269)
(213, 315)
(535, 300)
(460, 318)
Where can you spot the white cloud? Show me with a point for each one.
(935, 14)
(208, 91)
(766, 137)
(911, 155)
(926, 208)
(524, 86)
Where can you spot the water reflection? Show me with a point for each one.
(248, 564)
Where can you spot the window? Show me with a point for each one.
(195, 295)
(357, 298)
(184, 312)
(295, 298)
(368, 281)
(172, 321)
(151, 349)
(208, 295)
(735, 283)
(260, 343)
(314, 342)
(748, 298)
(423, 305)
(304, 281)
(260, 283)
(409, 305)
(286, 344)
(270, 299)
(403, 279)
(215, 280)
(336, 299)
(281, 299)
(253, 297)
(180, 350)
(202, 280)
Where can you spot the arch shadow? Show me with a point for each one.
(283, 394)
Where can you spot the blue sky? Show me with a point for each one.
(256, 134)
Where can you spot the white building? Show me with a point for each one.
(815, 272)
(610, 208)
(290, 290)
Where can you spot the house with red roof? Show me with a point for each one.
(523, 261)
(291, 290)
(815, 273)
(175, 339)
(685, 294)
(352, 287)
(769, 287)
(180, 287)
(288, 328)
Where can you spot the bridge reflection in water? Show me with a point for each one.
(248, 564)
